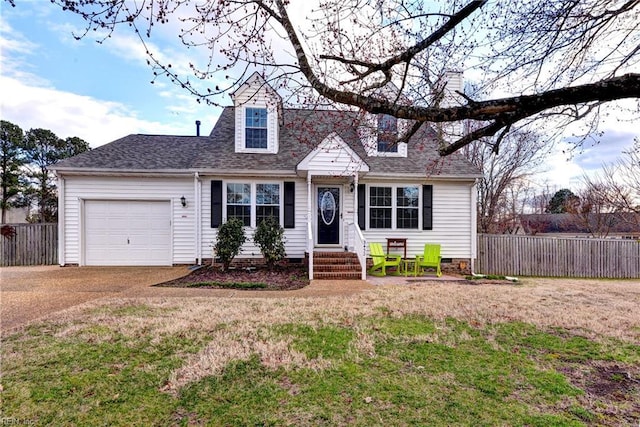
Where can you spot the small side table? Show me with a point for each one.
(408, 263)
(397, 243)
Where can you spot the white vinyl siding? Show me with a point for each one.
(295, 238)
(333, 157)
(80, 189)
(452, 216)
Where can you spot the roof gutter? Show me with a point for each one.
(122, 172)
(171, 172)
(395, 176)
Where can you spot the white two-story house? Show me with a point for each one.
(334, 179)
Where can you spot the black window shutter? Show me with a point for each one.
(362, 204)
(290, 204)
(216, 204)
(427, 207)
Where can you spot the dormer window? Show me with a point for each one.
(256, 128)
(257, 110)
(387, 134)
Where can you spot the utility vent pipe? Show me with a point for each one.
(198, 127)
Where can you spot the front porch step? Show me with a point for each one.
(336, 266)
(332, 275)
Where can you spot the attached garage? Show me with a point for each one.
(127, 232)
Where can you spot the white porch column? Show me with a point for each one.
(356, 219)
(309, 229)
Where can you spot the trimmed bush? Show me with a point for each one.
(269, 238)
(229, 242)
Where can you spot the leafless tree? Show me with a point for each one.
(538, 201)
(591, 212)
(502, 189)
(618, 186)
(554, 60)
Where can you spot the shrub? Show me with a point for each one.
(268, 237)
(230, 239)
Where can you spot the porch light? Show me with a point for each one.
(183, 201)
(352, 187)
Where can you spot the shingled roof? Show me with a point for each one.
(300, 132)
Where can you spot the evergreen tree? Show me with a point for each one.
(562, 201)
(43, 148)
(12, 159)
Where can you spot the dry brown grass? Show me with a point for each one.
(238, 327)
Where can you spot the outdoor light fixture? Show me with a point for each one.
(352, 187)
(183, 201)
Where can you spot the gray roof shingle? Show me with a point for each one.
(139, 152)
(300, 132)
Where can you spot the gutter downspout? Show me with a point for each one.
(197, 191)
(61, 220)
(474, 225)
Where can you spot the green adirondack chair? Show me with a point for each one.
(429, 259)
(381, 261)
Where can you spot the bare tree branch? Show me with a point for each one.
(550, 60)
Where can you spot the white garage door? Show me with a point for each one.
(127, 232)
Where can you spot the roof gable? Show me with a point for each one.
(254, 87)
(333, 156)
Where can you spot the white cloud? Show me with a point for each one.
(32, 101)
(68, 114)
(14, 48)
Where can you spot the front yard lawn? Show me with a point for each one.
(392, 356)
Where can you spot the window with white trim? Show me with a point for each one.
(252, 203)
(407, 209)
(380, 209)
(399, 212)
(239, 202)
(387, 134)
(267, 202)
(255, 127)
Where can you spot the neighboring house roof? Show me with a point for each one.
(569, 223)
(300, 132)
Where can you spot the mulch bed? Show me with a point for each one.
(279, 278)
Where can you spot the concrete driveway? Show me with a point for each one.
(29, 293)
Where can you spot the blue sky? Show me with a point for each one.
(101, 92)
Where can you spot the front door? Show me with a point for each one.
(329, 216)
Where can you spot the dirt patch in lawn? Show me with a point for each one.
(611, 389)
(280, 278)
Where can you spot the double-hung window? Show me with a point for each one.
(387, 134)
(255, 128)
(253, 203)
(267, 202)
(239, 202)
(407, 209)
(394, 207)
(380, 209)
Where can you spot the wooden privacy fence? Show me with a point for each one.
(29, 244)
(558, 257)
